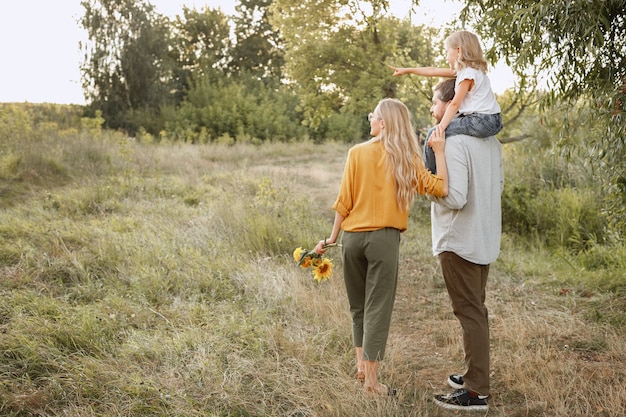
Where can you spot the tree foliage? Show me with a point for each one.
(201, 45)
(125, 68)
(259, 48)
(581, 46)
(337, 53)
(244, 109)
(232, 88)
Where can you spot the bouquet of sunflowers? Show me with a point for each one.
(321, 265)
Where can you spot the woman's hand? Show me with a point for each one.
(437, 140)
(441, 131)
(319, 248)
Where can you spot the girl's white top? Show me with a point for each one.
(480, 99)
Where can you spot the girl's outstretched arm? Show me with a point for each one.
(424, 71)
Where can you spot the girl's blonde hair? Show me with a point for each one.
(404, 160)
(471, 54)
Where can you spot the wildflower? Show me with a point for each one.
(306, 262)
(322, 267)
(323, 270)
(297, 254)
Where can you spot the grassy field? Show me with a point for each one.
(158, 280)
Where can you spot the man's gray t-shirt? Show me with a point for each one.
(468, 221)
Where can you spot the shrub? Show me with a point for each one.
(240, 109)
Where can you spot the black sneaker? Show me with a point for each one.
(462, 400)
(456, 381)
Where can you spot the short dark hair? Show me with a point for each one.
(446, 89)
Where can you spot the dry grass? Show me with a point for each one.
(167, 288)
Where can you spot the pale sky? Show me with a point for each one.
(39, 44)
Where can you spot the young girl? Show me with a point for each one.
(381, 178)
(474, 110)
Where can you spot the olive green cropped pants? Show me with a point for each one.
(370, 269)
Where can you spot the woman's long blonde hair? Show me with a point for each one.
(404, 159)
(471, 53)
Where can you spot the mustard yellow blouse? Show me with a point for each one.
(367, 196)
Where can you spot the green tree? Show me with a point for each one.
(201, 46)
(231, 86)
(337, 53)
(581, 46)
(259, 49)
(126, 70)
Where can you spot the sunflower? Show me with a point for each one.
(321, 266)
(323, 270)
(297, 254)
(306, 262)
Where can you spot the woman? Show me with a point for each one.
(380, 180)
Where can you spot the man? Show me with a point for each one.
(443, 93)
(466, 227)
